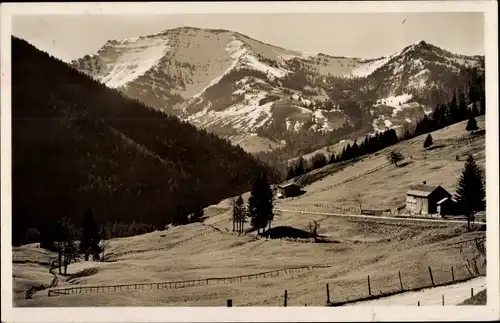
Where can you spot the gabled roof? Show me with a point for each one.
(422, 190)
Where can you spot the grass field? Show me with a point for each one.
(377, 247)
(387, 187)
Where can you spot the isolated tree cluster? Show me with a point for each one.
(259, 209)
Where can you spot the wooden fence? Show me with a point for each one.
(33, 289)
(431, 283)
(182, 284)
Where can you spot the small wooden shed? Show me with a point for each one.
(424, 199)
(289, 190)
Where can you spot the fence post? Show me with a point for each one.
(229, 303)
(471, 291)
(443, 299)
(286, 297)
(327, 294)
(369, 287)
(452, 274)
(400, 281)
(418, 303)
(430, 273)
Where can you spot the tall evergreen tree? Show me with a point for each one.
(453, 109)
(300, 169)
(428, 141)
(291, 172)
(462, 106)
(64, 235)
(241, 213)
(90, 238)
(471, 125)
(482, 107)
(238, 214)
(260, 204)
(319, 160)
(470, 193)
(180, 216)
(333, 159)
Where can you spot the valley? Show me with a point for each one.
(202, 167)
(357, 247)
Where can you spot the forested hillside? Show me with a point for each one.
(77, 144)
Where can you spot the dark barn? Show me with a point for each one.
(425, 199)
(289, 190)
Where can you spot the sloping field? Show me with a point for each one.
(386, 187)
(358, 247)
(362, 248)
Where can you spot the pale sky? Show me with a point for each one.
(366, 35)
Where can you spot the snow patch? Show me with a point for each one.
(251, 61)
(244, 116)
(394, 101)
(135, 58)
(368, 68)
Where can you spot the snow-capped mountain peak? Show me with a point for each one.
(236, 86)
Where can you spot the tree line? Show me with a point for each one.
(259, 209)
(69, 242)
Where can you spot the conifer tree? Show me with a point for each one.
(462, 106)
(299, 170)
(333, 159)
(241, 213)
(291, 173)
(471, 125)
(64, 235)
(470, 193)
(238, 214)
(428, 141)
(90, 238)
(260, 204)
(482, 107)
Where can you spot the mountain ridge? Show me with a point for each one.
(238, 87)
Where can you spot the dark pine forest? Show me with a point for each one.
(78, 145)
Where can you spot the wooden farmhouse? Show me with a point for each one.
(424, 199)
(289, 190)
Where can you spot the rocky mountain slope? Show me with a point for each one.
(258, 95)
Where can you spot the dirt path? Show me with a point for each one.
(377, 217)
(453, 295)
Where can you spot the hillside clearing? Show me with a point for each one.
(386, 188)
